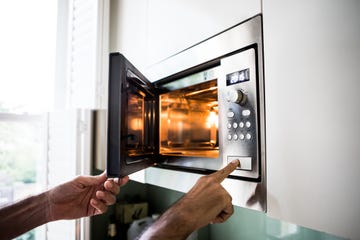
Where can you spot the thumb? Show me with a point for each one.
(101, 178)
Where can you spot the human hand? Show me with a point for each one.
(83, 196)
(206, 202)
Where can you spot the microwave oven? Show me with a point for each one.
(193, 112)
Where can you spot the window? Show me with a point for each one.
(53, 59)
(27, 63)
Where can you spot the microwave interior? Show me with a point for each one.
(188, 132)
(189, 123)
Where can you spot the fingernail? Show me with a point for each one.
(236, 162)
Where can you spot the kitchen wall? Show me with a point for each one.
(244, 223)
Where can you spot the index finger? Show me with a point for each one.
(220, 175)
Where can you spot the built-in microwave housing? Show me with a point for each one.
(193, 112)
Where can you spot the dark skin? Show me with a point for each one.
(84, 196)
(80, 197)
(207, 202)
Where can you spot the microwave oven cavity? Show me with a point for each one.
(189, 121)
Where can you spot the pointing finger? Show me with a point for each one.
(220, 175)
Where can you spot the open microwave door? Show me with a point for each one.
(133, 142)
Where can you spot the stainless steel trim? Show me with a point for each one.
(241, 141)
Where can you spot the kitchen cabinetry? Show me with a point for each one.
(147, 32)
(128, 30)
(312, 73)
(179, 25)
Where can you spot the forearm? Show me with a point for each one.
(24, 216)
(173, 224)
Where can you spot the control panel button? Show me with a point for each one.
(246, 112)
(248, 136)
(242, 136)
(229, 137)
(245, 162)
(230, 114)
(241, 124)
(228, 125)
(235, 125)
(235, 137)
(236, 96)
(248, 124)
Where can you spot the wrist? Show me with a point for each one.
(49, 207)
(175, 223)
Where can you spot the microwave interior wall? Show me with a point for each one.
(188, 124)
(188, 128)
(189, 121)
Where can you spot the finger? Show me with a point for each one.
(225, 214)
(99, 206)
(220, 175)
(122, 181)
(112, 187)
(106, 197)
(93, 180)
(101, 178)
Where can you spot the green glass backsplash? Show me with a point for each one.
(243, 224)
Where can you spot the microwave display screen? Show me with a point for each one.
(238, 77)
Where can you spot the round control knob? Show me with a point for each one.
(236, 96)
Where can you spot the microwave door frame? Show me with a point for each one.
(126, 82)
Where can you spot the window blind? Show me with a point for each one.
(87, 53)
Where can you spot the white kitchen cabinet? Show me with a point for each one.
(146, 31)
(128, 30)
(312, 57)
(175, 26)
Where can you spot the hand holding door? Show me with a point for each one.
(207, 202)
(80, 197)
(83, 196)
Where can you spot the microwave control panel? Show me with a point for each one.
(239, 115)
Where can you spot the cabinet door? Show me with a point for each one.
(312, 82)
(149, 31)
(128, 30)
(175, 26)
